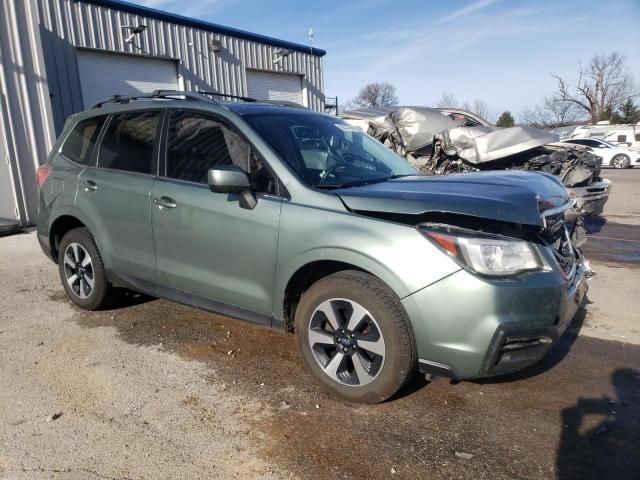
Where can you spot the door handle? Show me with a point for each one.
(165, 202)
(90, 186)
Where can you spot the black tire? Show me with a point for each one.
(384, 306)
(100, 293)
(620, 161)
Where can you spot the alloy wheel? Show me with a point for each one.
(620, 161)
(78, 270)
(346, 342)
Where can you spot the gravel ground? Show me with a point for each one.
(127, 411)
(152, 389)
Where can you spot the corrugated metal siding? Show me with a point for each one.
(26, 112)
(67, 24)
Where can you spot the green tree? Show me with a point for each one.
(629, 112)
(506, 120)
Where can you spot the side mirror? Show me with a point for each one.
(232, 179)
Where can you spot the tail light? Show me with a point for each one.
(42, 173)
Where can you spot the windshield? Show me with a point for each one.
(326, 152)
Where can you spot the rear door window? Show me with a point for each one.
(129, 142)
(79, 144)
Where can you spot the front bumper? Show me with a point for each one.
(468, 327)
(590, 200)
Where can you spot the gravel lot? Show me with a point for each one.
(155, 390)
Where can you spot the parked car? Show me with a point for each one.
(613, 155)
(447, 140)
(295, 220)
(621, 135)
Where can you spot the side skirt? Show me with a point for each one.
(196, 301)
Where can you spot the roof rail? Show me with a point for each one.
(226, 95)
(283, 103)
(157, 94)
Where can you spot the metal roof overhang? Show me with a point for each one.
(211, 27)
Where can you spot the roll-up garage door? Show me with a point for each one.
(105, 74)
(274, 86)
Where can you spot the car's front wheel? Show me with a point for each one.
(81, 270)
(621, 161)
(355, 337)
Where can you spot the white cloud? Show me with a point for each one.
(464, 11)
(188, 8)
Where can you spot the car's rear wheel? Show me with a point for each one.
(621, 161)
(82, 271)
(355, 337)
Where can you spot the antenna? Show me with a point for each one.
(311, 36)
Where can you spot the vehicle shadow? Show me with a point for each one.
(607, 448)
(594, 223)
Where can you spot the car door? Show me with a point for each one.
(114, 195)
(206, 244)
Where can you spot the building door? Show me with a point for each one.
(104, 74)
(275, 86)
(8, 208)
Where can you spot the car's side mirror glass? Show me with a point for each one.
(232, 179)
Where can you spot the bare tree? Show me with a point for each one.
(478, 106)
(552, 112)
(604, 84)
(378, 94)
(447, 100)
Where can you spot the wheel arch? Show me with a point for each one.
(63, 223)
(313, 269)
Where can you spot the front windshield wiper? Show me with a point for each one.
(359, 183)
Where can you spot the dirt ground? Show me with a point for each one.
(154, 390)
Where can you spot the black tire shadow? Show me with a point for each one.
(125, 298)
(609, 448)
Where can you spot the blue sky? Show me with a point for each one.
(502, 51)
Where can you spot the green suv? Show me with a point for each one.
(298, 221)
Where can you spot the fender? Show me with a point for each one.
(285, 271)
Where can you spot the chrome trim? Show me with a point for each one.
(555, 210)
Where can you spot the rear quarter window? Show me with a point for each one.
(79, 144)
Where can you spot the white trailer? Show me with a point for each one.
(627, 135)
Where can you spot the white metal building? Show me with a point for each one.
(58, 57)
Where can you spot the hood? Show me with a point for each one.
(485, 144)
(508, 196)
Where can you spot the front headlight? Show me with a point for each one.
(483, 253)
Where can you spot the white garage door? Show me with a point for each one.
(103, 75)
(274, 86)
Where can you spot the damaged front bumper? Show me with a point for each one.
(471, 327)
(590, 200)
